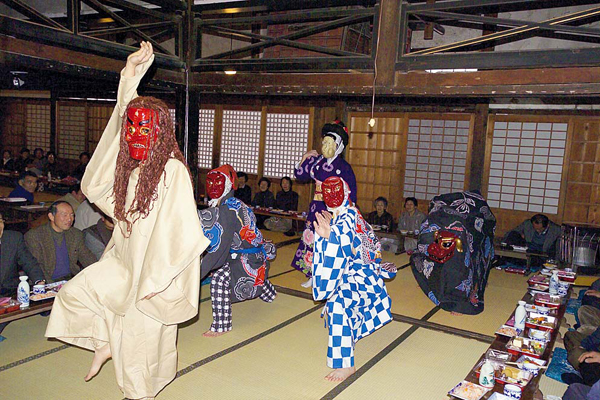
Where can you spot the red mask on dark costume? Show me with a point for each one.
(142, 129)
(333, 191)
(215, 184)
(442, 248)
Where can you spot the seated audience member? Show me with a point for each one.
(98, 235)
(410, 220)
(539, 234)
(75, 197)
(58, 246)
(15, 256)
(78, 172)
(286, 200)
(53, 167)
(24, 161)
(380, 216)
(26, 186)
(243, 191)
(264, 198)
(8, 164)
(579, 391)
(585, 339)
(86, 215)
(39, 161)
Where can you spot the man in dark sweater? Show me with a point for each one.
(243, 191)
(58, 246)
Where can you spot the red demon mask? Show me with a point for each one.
(142, 129)
(333, 191)
(442, 248)
(215, 184)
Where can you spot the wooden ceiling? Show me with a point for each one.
(93, 45)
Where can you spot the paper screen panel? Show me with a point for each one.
(240, 140)
(286, 142)
(436, 157)
(206, 129)
(173, 117)
(71, 131)
(38, 126)
(526, 165)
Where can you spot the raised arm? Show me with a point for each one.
(97, 183)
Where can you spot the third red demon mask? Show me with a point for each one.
(442, 248)
(142, 129)
(333, 191)
(215, 184)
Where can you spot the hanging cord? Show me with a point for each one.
(372, 120)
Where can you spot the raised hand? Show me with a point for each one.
(322, 226)
(137, 58)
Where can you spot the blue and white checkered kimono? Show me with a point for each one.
(347, 272)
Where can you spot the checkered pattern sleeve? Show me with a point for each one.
(331, 257)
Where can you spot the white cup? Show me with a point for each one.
(512, 391)
(39, 289)
(531, 367)
(563, 288)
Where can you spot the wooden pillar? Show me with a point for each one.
(387, 28)
(73, 9)
(478, 147)
(53, 117)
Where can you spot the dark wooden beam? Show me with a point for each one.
(73, 10)
(32, 13)
(281, 5)
(107, 31)
(500, 60)
(96, 5)
(59, 38)
(386, 35)
(327, 26)
(17, 52)
(232, 33)
(126, 5)
(504, 35)
(495, 6)
(170, 5)
(288, 64)
(289, 17)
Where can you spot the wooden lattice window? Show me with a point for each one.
(436, 156)
(98, 116)
(240, 140)
(173, 118)
(526, 165)
(38, 126)
(286, 142)
(206, 129)
(71, 130)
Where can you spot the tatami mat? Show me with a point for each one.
(287, 364)
(425, 366)
(25, 337)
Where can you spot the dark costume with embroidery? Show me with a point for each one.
(239, 257)
(455, 249)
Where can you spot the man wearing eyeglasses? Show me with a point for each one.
(15, 256)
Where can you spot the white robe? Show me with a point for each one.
(105, 302)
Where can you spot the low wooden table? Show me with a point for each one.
(521, 255)
(35, 307)
(500, 344)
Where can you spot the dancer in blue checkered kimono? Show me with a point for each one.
(348, 273)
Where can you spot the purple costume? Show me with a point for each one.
(316, 168)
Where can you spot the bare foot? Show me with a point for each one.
(100, 356)
(210, 333)
(339, 374)
(455, 313)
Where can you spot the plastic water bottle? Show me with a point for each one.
(23, 291)
(486, 375)
(554, 283)
(520, 316)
